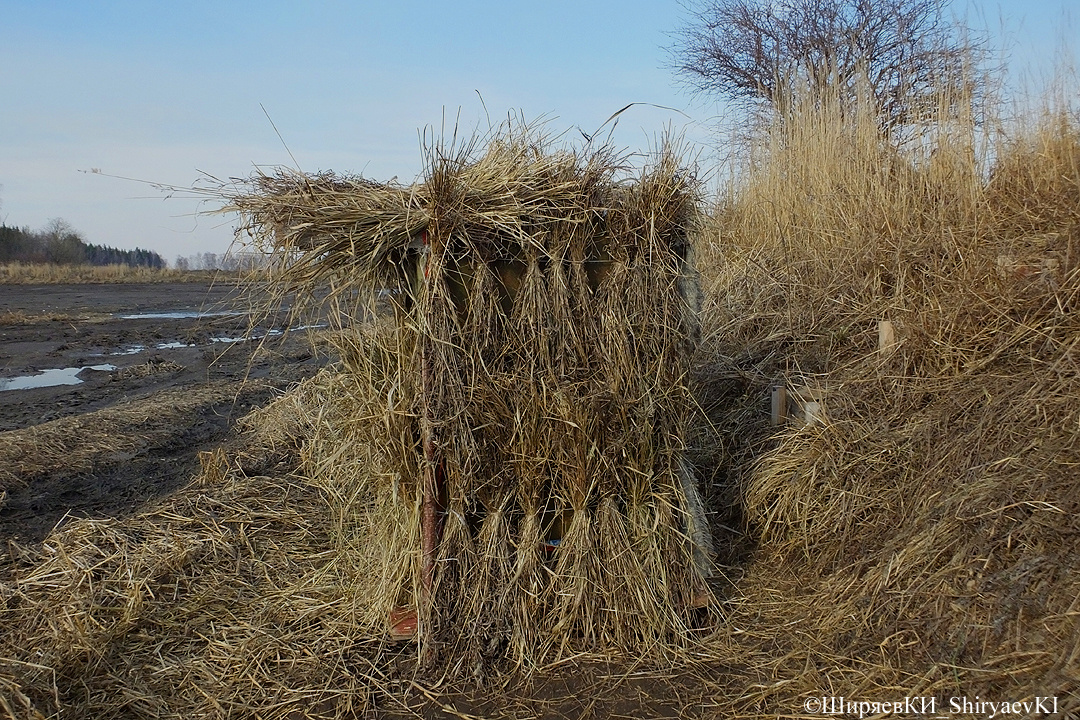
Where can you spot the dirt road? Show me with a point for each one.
(156, 372)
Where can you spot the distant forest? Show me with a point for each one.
(60, 244)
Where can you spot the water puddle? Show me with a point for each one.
(50, 378)
(181, 315)
(178, 344)
(256, 334)
(136, 349)
(133, 350)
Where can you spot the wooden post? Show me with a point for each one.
(886, 337)
(429, 507)
(406, 622)
(779, 404)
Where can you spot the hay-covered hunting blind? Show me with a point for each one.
(525, 404)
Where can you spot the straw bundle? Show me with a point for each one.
(531, 393)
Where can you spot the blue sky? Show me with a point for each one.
(165, 91)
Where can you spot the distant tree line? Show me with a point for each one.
(60, 244)
(232, 261)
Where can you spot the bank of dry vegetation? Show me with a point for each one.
(57, 274)
(922, 539)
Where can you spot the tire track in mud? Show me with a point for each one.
(187, 363)
(108, 462)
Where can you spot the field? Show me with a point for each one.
(131, 433)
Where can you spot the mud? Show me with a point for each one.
(123, 436)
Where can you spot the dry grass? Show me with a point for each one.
(21, 317)
(153, 366)
(205, 605)
(51, 274)
(923, 540)
(246, 595)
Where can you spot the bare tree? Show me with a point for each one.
(62, 243)
(903, 55)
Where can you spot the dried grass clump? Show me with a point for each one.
(536, 370)
(924, 538)
(153, 366)
(21, 317)
(1033, 188)
(226, 599)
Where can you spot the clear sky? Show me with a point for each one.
(166, 91)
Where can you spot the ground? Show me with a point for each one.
(132, 431)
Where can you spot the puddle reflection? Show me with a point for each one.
(50, 378)
(180, 315)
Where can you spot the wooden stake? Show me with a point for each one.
(886, 337)
(779, 405)
(430, 483)
(429, 507)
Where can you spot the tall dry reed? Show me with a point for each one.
(921, 538)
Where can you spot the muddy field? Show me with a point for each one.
(109, 392)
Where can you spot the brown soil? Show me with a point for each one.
(122, 437)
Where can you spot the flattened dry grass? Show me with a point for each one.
(21, 317)
(208, 604)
